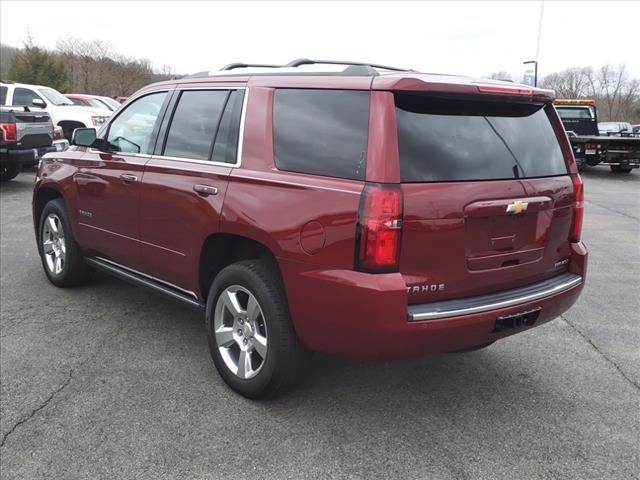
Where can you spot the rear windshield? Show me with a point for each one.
(575, 112)
(442, 139)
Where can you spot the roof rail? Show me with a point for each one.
(233, 66)
(306, 61)
(353, 68)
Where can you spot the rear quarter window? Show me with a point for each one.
(3, 95)
(444, 139)
(321, 132)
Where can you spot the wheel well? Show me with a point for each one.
(221, 249)
(68, 126)
(43, 196)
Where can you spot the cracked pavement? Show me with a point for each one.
(111, 381)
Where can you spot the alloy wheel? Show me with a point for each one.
(54, 246)
(240, 331)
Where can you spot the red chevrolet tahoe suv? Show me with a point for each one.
(366, 211)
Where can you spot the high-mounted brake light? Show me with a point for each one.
(8, 132)
(379, 229)
(505, 90)
(578, 209)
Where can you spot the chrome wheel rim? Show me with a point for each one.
(240, 331)
(54, 246)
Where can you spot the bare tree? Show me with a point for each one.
(616, 91)
(571, 83)
(94, 67)
(83, 59)
(617, 95)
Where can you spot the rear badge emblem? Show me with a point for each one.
(517, 207)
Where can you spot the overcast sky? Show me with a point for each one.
(474, 38)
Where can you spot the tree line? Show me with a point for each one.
(616, 93)
(78, 66)
(92, 66)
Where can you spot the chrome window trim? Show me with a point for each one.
(243, 115)
(193, 160)
(239, 148)
(493, 301)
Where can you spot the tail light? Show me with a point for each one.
(379, 229)
(9, 132)
(58, 133)
(578, 209)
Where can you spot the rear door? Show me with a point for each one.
(186, 180)
(487, 195)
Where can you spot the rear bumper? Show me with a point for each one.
(25, 156)
(495, 301)
(360, 315)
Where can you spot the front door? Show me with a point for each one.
(108, 182)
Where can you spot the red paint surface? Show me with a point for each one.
(454, 233)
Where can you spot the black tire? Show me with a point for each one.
(9, 171)
(474, 349)
(285, 358)
(74, 270)
(619, 169)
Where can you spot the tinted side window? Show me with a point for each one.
(3, 95)
(195, 123)
(322, 132)
(226, 145)
(132, 130)
(451, 140)
(77, 101)
(23, 96)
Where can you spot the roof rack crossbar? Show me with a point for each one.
(233, 66)
(306, 61)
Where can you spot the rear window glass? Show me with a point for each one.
(454, 140)
(321, 132)
(195, 123)
(573, 112)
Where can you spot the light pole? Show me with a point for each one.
(535, 62)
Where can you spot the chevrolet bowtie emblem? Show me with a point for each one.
(517, 207)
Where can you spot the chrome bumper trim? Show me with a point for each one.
(493, 301)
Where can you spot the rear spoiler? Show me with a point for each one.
(460, 85)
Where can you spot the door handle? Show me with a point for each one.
(128, 178)
(205, 190)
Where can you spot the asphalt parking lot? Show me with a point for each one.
(111, 381)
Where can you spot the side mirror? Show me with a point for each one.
(83, 137)
(38, 103)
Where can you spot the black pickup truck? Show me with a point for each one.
(580, 120)
(24, 137)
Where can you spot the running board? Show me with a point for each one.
(143, 280)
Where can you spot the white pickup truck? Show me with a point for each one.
(62, 111)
